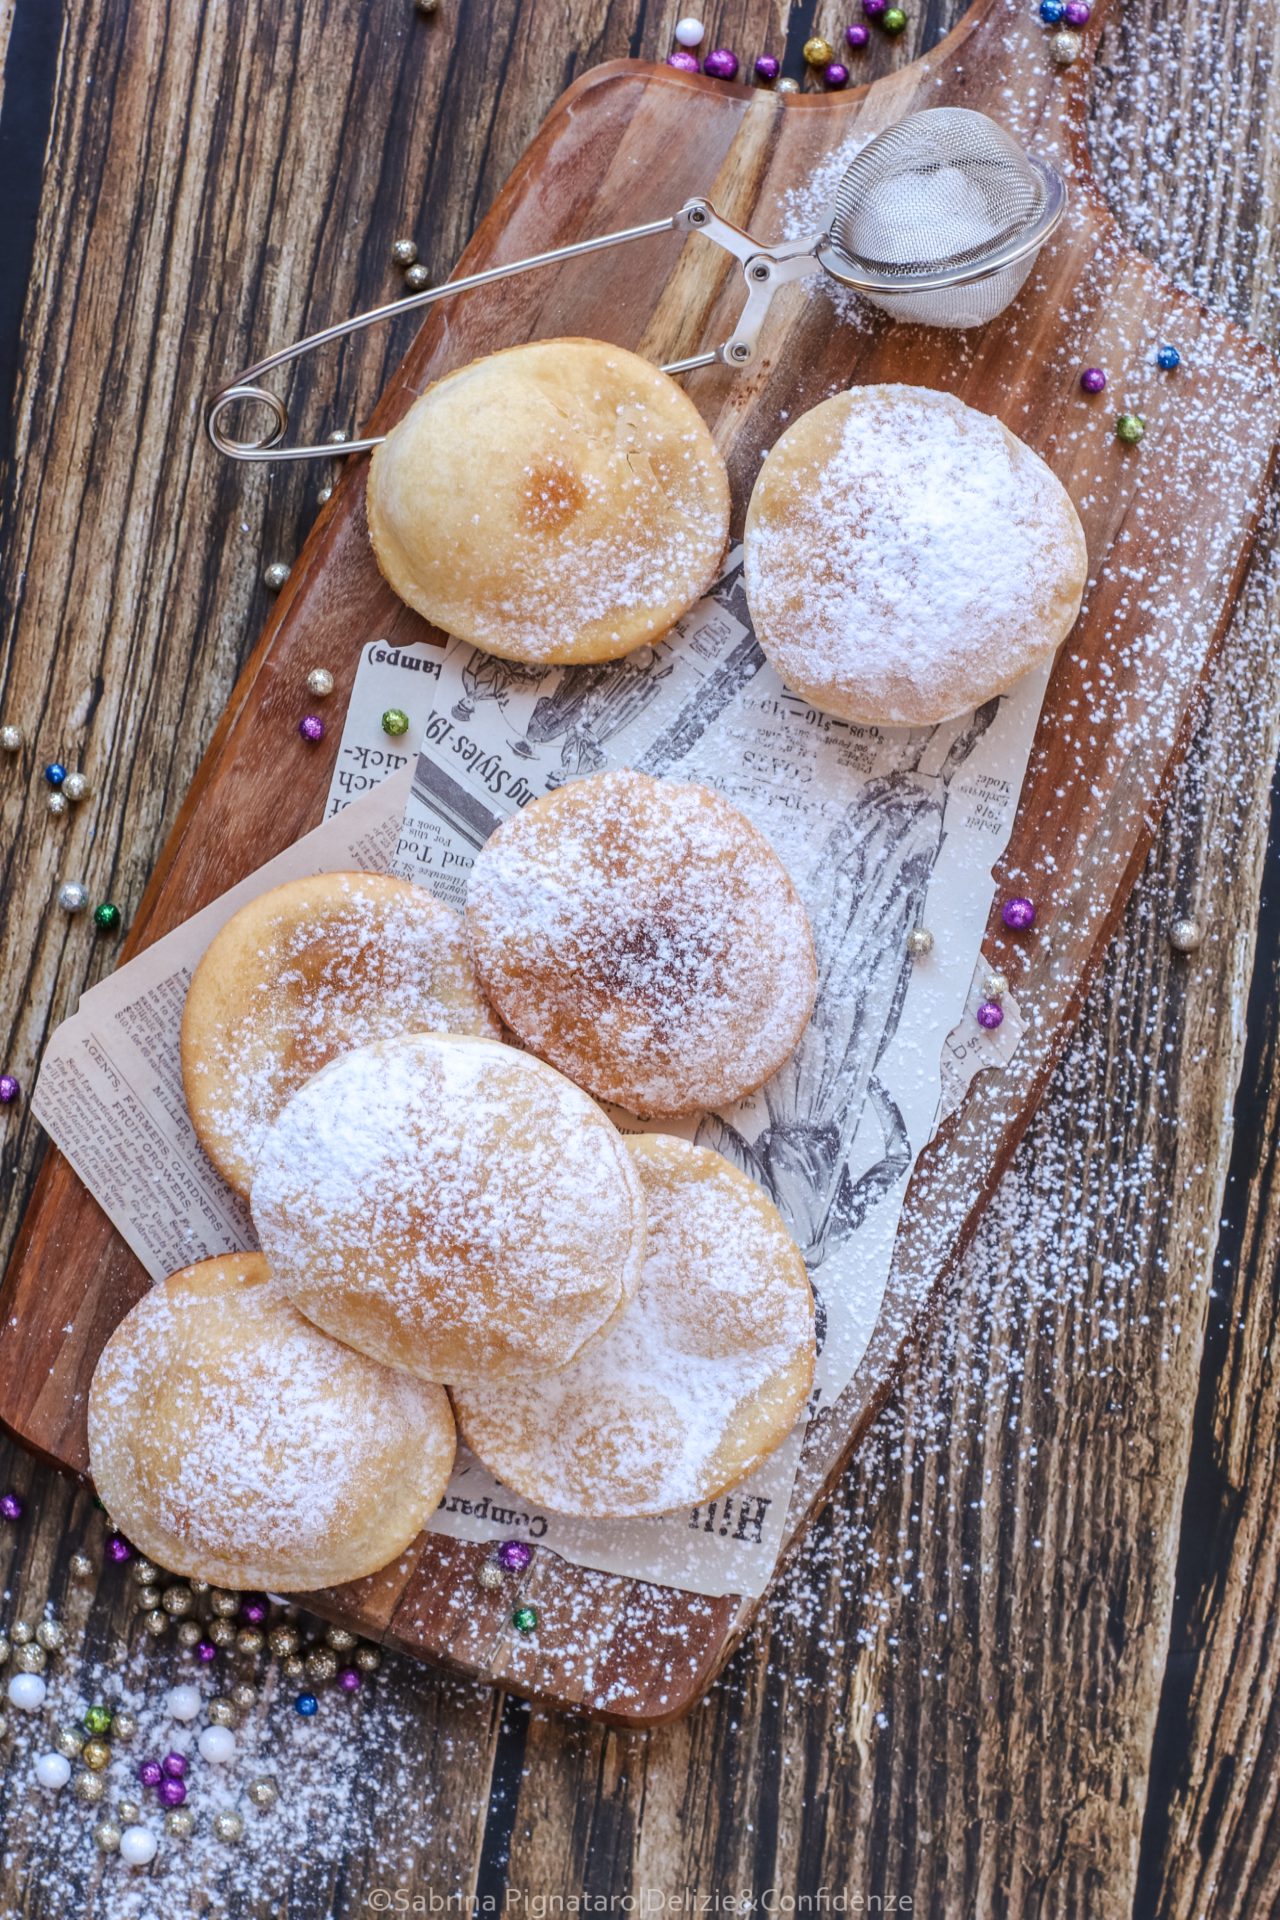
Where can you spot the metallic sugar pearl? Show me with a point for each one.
(12, 1506)
(1064, 47)
(263, 1792)
(229, 1826)
(1168, 358)
(395, 721)
(1130, 428)
(919, 942)
(57, 804)
(856, 36)
(418, 278)
(404, 252)
(990, 1015)
(274, 576)
(106, 917)
(683, 61)
(1093, 379)
(1185, 934)
(51, 1634)
(311, 727)
(180, 1822)
(73, 897)
(10, 1089)
(515, 1555)
(81, 1566)
(893, 20)
(819, 52)
(76, 787)
(525, 1619)
(12, 739)
(224, 1604)
(489, 1575)
(721, 63)
(995, 985)
(1019, 913)
(835, 76)
(320, 683)
(55, 773)
(767, 69)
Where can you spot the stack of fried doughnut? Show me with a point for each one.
(453, 1233)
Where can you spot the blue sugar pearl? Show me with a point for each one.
(55, 773)
(1051, 11)
(306, 1704)
(1168, 358)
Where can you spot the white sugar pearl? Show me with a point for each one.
(27, 1690)
(689, 32)
(52, 1770)
(217, 1744)
(184, 1702)
(137, 1847)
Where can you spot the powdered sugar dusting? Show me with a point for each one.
(645, 938)
(904, 560)
(451, 1206)
(639, 1422)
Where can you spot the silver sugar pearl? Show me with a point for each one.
(1185, 934)
(221, 1712)
(489, 1575)
(338, 438)
(68, 1741)
(130, 1812)
(89, 1787)
(123, 1726)
(418, 278)
(224, 1604)
(106, 1836)
(156, 1622)
(72, 897)
(404, 252)
(57, 804)
(180, 1822)
(244, 1696)
(190, 1633)
(222, 1633)
(263, 1792)
(1064, 48)
(228, 1826)
(51, 1635)
(76, 787)
(340, 1639)
(12, 739)
(177, 1601)
(145, 1572)
(251, 1640)
(147, 1599)
(31, 1659)
(325, 494)
(21, 1634)
(283, 1641)
(320, 682)
(787, 86)
(275, 575)
(293, 1667)
(995, 985)
(198, 1586)
(368, 1659)
(919, 942)
(81, 1566)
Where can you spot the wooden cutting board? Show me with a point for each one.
(1168, 524)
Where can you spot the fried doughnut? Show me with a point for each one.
(450, 1206)
(907, 557)
(695, 1383)
(305, 972)
(234, 1442)
(643, 937)
(556, 502)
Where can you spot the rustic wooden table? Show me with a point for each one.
(1026, 1663)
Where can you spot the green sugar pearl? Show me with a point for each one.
(525, 1618)
(893, 20)
(106, 918)
(395, 721)
(97, 1721)
(1130, 428)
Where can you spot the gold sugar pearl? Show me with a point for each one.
(222, 1633)
(244, 1696)
(340, 1639)
(156, 1622)
(221, 1712)
(145, 1572)
(96, 1753)
(293, 1667)
(263, 1792)
(322, 1663)
(123, 1726)
(251, 1640)
(51, 1635)
(368, 1659)
(818, 52)
(224, 1604)
(177, 1600)
(190, 1633)
(283, 1641)
(89, 1787)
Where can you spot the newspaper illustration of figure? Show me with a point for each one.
(874, 871)
(485, 677)
(589, 706)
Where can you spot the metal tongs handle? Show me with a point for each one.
(764, 269)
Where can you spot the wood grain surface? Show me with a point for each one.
(1027, 1665)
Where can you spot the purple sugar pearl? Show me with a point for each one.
(11, 1507)
(253, 1609)
(836, 75)
(514, 1555)
(721, 64)
(857, 36)
(171, 1793)
(1076, 13)
(175, 1765)
(9, 1089)
(151, 1773)
(1093, 379)
(1019, 913)
(349, 1680)
(683, 61)
(118, 1549)
(990, 1014)
(311, 727)
(874, 8)
(206, 1651)
(768, 69)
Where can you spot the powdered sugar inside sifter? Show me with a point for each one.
(938, 220)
